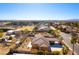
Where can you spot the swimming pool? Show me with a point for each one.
(56, 45)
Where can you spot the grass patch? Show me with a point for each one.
(1, 34)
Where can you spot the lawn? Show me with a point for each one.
(29, 28)
(1, 34)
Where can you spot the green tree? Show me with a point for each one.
(10, 38)
(50, 31)
(55, 32)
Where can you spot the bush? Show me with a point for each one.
(55, 53)
(40, 53)
(47, 53)
(1, 34)
(34, 51)
(50, 31)
(65, 50)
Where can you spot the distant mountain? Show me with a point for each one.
(43, 20)
(72, 20)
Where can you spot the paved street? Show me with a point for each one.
(67, 41)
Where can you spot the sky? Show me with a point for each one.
(39, 11)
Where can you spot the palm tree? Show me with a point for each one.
(73, 41)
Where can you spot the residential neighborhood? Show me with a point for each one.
(39, 38)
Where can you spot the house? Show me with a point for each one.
(43, 27)
(10, 32)
(18, 34)
(40, 42)
(2, 24)
(14, 33)
(44, 43)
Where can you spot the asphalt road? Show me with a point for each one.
(67, 38)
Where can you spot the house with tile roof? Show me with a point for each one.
(40, 42)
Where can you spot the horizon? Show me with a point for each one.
(39, 20)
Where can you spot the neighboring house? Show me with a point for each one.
(2, 24)
(63, 26)
(43, 27)
(16, 33)
(74, 29)
(10, 32)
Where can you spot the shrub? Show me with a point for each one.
(1, 34)
(40, 52)
(55, 53)
(34, 51)
(65, 50)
